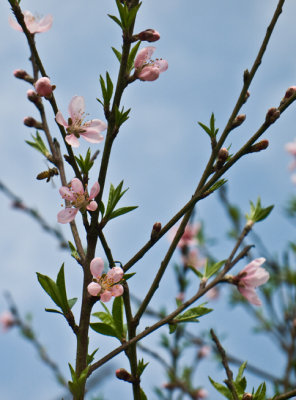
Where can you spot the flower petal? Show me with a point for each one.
(96, 267)
(77, 186)
(76, 108)
(143, 56)
(250, 294)
(97, 125)
(66, 193)
(117, 290)
(93, 205)
(94, 289)
(60, 119)
(106, 296)
(45, 23)
(67, 215)
(92, 136)
(94, 190)
(14, 24)
(115, 274)
(72, 140)
(149, 73)
(162, 65)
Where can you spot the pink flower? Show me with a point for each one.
(90, 130)
(104, 285)
(251, 277)
(213, 293)
(291, 148)
(7, 320)
(201, 394)
(34, 24)
(146, 69)
(43, 87)
(189, 236)
(78, 198)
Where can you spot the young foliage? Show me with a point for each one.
(211, 269)
(39, 145)
(86, 163)
(112, 324)
(107, 91)
(190, 315)
(258, 213)
(115, 194)
(126, 15)
(121, 116)
(210, 130)
(57, 291)
(77, 385)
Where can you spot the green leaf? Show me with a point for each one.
(211, 130)
(52, 310)
(39, 145)
(115, 19)
(132, 55)
(241, 371)
(90, 357)
(196, 271)
(143, 395)
(74, 252)
(128, 276)
(77, 385)
(141, 366)
(193, 313)
(260, 392)
(258, 213)
(104, 317)
(123, 12)
(103, 329)
(172, 328)
(117, 54)
(213, 268)
(221, 389)
(50, 287)
(240, 386)
(102, 208)
(132, 14)
(72, 302)
(62, 288)
(121, 211)
(217, 185)
(117, 314)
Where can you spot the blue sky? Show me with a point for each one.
(160, 153)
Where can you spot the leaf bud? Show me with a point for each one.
(155, 231)
(122, 374)
(238, 120)
(149, 35)
(262, 145)
(22, 74)
(272, 115)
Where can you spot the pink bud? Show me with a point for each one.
(290, 92)
(262, 145)
(122, 374)
(155, 231)
(33, 96)
(43, 87)
(247, 95)
(247, 396)
(238, 120)
(30, 122)
(149, 35)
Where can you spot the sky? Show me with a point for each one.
(160, 153)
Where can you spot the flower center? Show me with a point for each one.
(81, 200)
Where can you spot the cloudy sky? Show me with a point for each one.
(160, 153)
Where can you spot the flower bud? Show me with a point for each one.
(43, 87)
(221, 158)
(201, 394)
(21, 74)
(122, 374)
(33, 96)
(204, 351)
(238, 120)
(290, 92)
(155, 231)
(262, 145)
(272, 115)
(32, 123)
(149, 35)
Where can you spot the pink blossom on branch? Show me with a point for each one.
(34, 24)
(44, 87)
(147, 69)
(90, 130)
(105, 285)
(250, 277)
(78, 198)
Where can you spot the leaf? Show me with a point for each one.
(62, 288)
(128, 276)
(194, 313)
(172, 328)
(221, 389)
(260, 392)
(121, 211)
(102, 208)
(103, 329)
(115, 19)
(132, 55)
(217, 185)
(258, 213)
(117, 54)
(241, 371)
(212, 269)
(143, 395)
(195, 271)
(117, 314)
(50, 287)
(141, 366)
(104, 317)
(90, 357)
(72, 302)
(52, 310)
